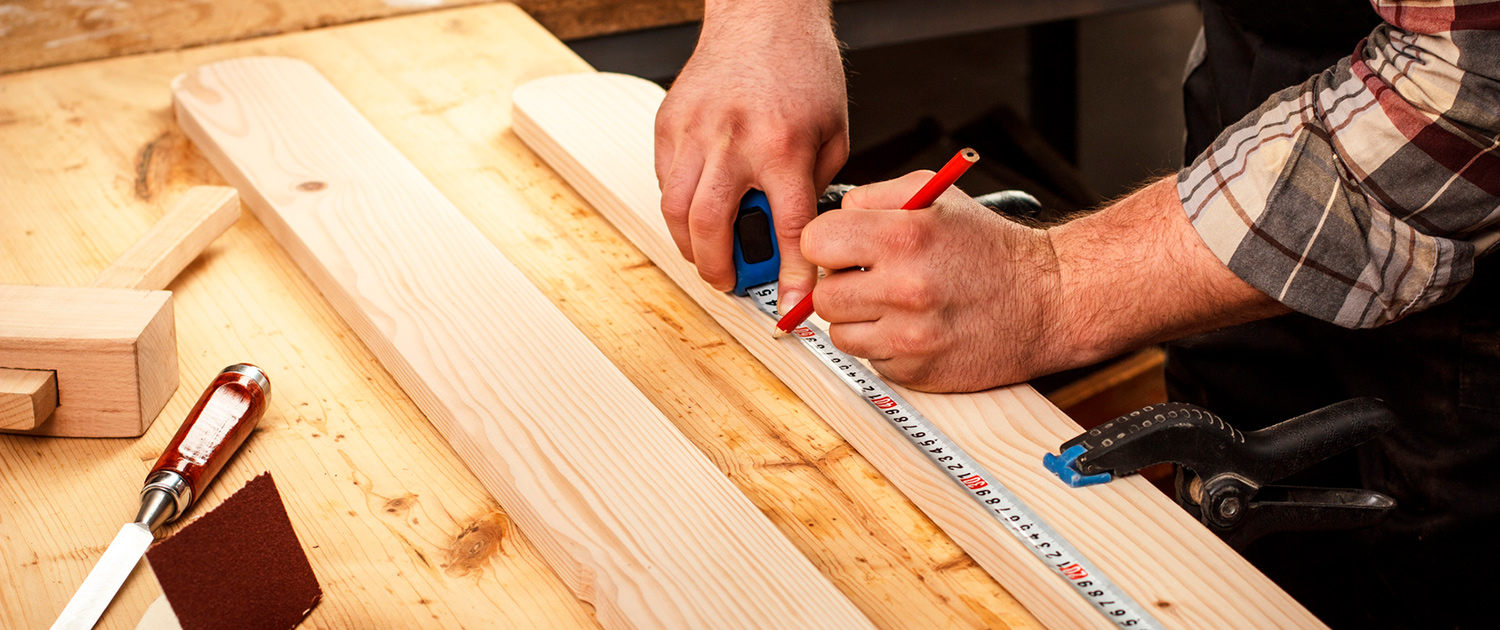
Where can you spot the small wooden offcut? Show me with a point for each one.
(27, 397)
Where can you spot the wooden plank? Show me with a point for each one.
(39, 34)
(27, 397)
(117, 345)
(633, 518)
(400, 533)
(199, 217)
(596, 130)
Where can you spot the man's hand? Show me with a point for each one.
(956, 298)
(951, 297)
(761, 104)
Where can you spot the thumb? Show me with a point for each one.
(793, 200)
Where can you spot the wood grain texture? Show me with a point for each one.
(42, 33)
(114, 347)
(596, 130)
(398, 531)
(633, 518)
(27, 397)
(199, 217)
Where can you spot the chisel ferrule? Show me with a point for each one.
(165, 496)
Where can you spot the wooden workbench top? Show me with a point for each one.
(399, 533)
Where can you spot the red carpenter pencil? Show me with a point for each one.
(929, 193)
(794, 317)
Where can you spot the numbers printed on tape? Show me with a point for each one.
(979, 483)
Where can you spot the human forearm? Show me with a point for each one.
(1137, 273)
(956, 298)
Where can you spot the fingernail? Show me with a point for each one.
(786, 302)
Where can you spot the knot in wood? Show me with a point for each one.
(476, 544)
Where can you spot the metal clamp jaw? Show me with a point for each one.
(1224, 475)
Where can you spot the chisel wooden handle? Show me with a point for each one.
(224, 416)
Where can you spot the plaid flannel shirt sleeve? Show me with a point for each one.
(1366, 193)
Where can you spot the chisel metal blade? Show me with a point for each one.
(99, 588)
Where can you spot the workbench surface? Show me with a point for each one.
(399, 533)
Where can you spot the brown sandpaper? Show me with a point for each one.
(238, 566)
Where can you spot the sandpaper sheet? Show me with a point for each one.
(239, 566)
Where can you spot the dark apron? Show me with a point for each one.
(1434, 564)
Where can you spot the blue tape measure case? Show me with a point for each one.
(756, 258)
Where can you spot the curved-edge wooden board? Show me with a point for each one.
(596, 130)
(630, 515)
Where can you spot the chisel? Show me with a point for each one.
(225, 415)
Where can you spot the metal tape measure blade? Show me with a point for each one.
(1044, 542)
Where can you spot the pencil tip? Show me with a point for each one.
(777, 333)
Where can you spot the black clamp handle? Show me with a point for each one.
(1224, 474)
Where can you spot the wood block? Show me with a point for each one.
(199, 217)
(596, 131)
(115, 349)
(631, 516)
(27, 397)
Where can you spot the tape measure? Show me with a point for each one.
(1043, 541)
(757, 260)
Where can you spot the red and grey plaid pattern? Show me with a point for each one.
(1366, 193)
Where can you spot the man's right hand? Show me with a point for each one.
(761, 104)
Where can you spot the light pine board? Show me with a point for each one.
(400, 533)
(627, 511)
(596, 131)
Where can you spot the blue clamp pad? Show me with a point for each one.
(1063, 467)
(757, 260)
